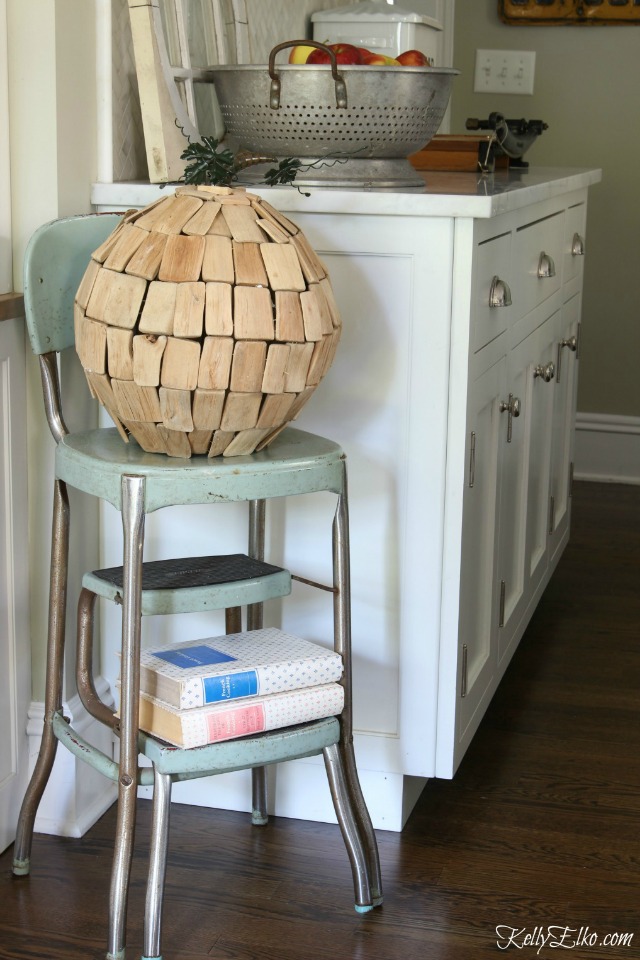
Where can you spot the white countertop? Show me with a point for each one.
(445, 194)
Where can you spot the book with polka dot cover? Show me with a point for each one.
(233, 666)
(242, 718)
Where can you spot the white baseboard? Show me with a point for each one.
(607, 448)
(299, 790)
(76, 795)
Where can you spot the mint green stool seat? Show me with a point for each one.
(99, 463)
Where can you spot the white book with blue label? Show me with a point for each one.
(230, 667)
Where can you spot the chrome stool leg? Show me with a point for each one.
(133, 517)
(84, 662)
(345, 813)
(364, 822)
(259, 797)
(157, 865)
(53, 691)
(342, 630)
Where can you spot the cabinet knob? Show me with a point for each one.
(577, 245)
(546, 266)
(512, 407)
(546, 371)
(499, 294)
(571, 342)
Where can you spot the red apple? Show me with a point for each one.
(413, 58)
(345, 53)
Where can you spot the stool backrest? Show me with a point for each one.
(56, 258)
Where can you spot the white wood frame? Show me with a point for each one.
(167, 119)
(15, 678)
(6, 280)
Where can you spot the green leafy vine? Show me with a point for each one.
(207, 164)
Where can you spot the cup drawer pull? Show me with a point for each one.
(546, 266)
(499, 294)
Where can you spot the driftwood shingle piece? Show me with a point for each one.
(180, 364)
(147, 259)
(215, 363)
(86, 285)
(218, 317)
(283, 267)
(159, 308)
(182, 259)
(116, 298)
(218, 259)
(275, 368)
(189, 316)
(249, 265)
(171, 216)
(247, 368)
(252, 314)
(175, 406)
(242, 222)
(130, 238)
(289, 319)
(135, 402)
(202, 221)
(147, 359)
(207, 409)
(120, 353)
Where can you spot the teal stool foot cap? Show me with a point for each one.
(21, 867)
(258, 819)
(120, 955)
(365, 908)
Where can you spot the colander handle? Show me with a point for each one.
(274, 94)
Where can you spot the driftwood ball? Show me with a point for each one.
(205, 322)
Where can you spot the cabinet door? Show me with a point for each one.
(524, 502)
(514, 447)
(542, 383)
(564, 405)
(478, 620)
(574, 246)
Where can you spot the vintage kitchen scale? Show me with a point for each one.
(351, 126)
(512, 137)
(496, 143)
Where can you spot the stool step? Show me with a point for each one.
(274, 746)
(193, 584)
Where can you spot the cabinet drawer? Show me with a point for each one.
(574, 244)
(492, 262)
(538, 254)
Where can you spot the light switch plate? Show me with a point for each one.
(504, 71)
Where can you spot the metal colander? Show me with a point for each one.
(368, 118)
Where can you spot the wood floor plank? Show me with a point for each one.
(538, 829)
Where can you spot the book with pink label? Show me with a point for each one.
(228, 721)
(236, 685)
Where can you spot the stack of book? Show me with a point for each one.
(220, 688)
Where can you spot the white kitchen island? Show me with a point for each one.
(453, 395)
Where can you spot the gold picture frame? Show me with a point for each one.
(590, 12)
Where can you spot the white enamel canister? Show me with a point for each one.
(381, 27)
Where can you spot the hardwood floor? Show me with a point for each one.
(539, 827)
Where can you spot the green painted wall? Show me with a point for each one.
(587, 88)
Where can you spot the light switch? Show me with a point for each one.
(504, 71)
